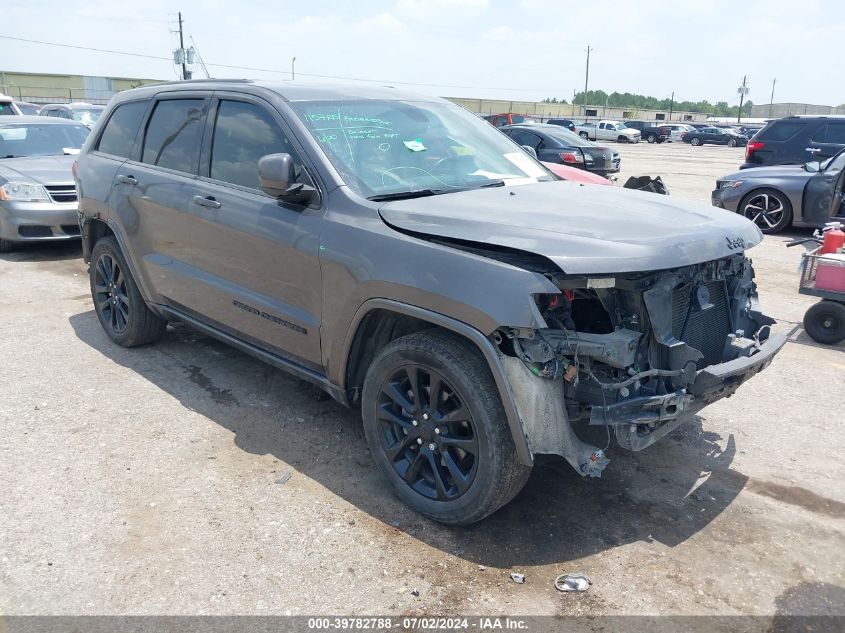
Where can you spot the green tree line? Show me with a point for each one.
(641, 102)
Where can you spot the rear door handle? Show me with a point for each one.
(127, 180)
(813, 150)
(208, 201)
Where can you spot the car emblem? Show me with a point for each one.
(736, 242)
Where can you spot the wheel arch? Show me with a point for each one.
(380, 321)
(93, 230)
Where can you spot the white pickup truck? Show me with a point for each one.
(608, 131)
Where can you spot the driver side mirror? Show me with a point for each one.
(813, 166)
(277, 178)
(529, 150)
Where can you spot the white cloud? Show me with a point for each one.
(441, 10)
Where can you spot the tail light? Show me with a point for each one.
(752, 147)
(571, 157)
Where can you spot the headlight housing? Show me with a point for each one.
(23, 192)
(728, 184)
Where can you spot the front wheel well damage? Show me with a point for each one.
(376, 330)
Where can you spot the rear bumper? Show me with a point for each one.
(642, 421)
(38, 221)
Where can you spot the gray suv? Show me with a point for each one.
(408, 258)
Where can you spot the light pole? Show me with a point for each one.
(292, 62)
(772, 98)
(742, 90)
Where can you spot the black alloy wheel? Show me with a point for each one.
(110, 295)
(427, 433)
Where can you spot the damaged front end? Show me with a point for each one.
(638, 353)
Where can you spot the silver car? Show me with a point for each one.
(782, 195)
(37, 193)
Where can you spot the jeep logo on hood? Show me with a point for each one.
(736, 242)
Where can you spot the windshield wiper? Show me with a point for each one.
(10, 156)
(492, 183)
(403, 195)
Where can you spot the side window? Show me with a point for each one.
(119, 134)
(173, 135)
(835, 133)
(243, 133)
(526, 138)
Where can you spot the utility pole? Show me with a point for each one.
(743, 90)
(772, 98)
(587, 76)
(671, 105)
(292, 62)
(185, 72)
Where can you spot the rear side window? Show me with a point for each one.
(122, 127)
(243, 133)
(781, 130)
(174, 133)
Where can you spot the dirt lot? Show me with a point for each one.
(155, 480)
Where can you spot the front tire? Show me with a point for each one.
(825, 322)
(768, 209)
(732, 142)
(584, 136)
(121, 309)
(437, 430)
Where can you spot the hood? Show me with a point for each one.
(41, 170)
(582, 229)
(775, 171)
(629, 131)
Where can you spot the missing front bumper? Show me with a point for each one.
(640, 422)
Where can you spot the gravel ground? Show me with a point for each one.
(188, 478)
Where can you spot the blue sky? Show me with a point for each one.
(526, 49)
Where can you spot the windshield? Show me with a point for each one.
(40, 139)
(383, 147)
(28, 108)
(87, 117)
(621, 126)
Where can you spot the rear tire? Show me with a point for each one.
(695, 141)
(584, 136)
(651, 138)
(825, 322)
(451, 456)
(121, 309)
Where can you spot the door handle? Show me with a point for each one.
(127, 180)
(208, 201)
(813, 150)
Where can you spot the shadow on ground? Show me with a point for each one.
(666, 493)
(44, 251)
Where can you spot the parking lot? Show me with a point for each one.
(186, 477)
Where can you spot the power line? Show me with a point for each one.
(274, 71)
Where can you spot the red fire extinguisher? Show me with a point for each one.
(834, 239)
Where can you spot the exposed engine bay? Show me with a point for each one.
(638, 353)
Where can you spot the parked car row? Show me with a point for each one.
(84, 113)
